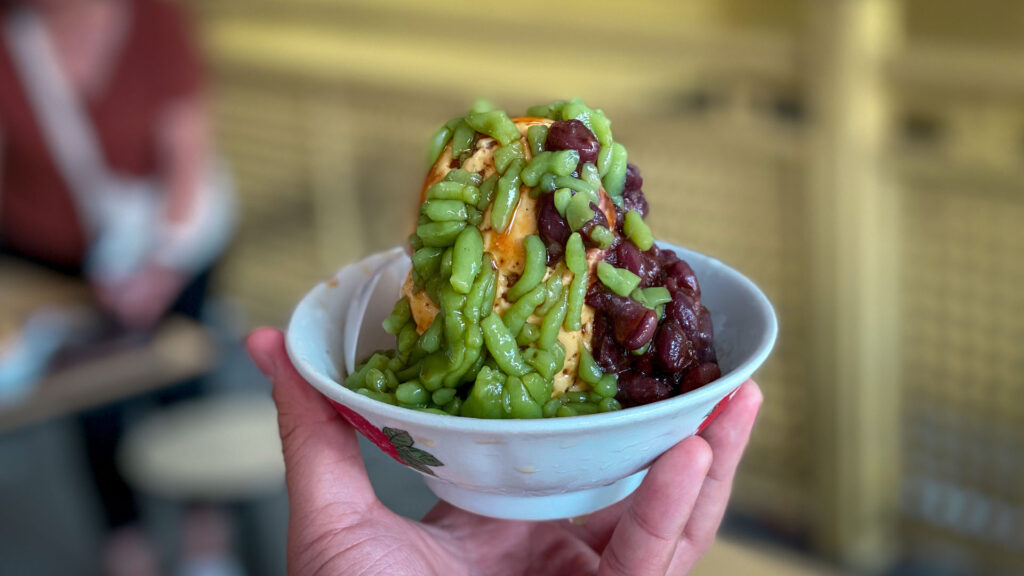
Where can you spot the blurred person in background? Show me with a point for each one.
(106, 172)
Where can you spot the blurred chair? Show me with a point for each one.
(222, 450)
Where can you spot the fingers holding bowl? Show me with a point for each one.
(323, 462)
(728, 436)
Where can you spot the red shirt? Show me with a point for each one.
(155, 65)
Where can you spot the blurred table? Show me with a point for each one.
(178, 350)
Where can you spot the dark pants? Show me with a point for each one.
(104, 427)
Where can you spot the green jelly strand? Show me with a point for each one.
(534, 269)
(506, 196)
(462, 138)
(451, 308)
(502, 346)
(579, 408)
(484, 400)
(603, 236)
(504, 155)
(536, 168)
(443, 396)
(590, 175)
(387, 398)
(576, 259)
(638, 231)
(575, 397)
(400, 314)
(473, 344)
(615, 178)
(578, 212)
(516, 316)
(495, 124)
(547, 184)
(539, 387)
(377, 361)
(604, 159)
(536, 136)
(410, 372)
(652, 297)
(607, 386)
(575, 109)
(486, 192)
(552, 111)
(528, 334)
(601, 126)
(551, 323)
(463, 177)
(454, 407)
(543, 361)
(430, 340)
(477, 305)
(439, 234)
(521, 403)
(562, 198)
(437, 143)
(618, 280)
(577, 185)
(444, 210)
(559, 163)
(427, 261)
(588, 371)
(467, 259)
(406, 344)
(453, 190)
(553, 287)
(446, 263)
(433, 370)
(412, 394)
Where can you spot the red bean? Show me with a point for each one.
(553, 229)
(643, 264)
(683, 310)
(699, 376)
(673, 349)
(705, 343)
(573, 135)
(599, 219)
(609, 354)
(636, 389)
(633, 324)
(634, 181)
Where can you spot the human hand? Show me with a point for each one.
(338, 526)
(139, 301)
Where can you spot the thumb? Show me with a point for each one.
(323, 464)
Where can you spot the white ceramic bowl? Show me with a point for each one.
(532, 469)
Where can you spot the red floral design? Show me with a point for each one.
(715, 412)
(366, 429)
(394, 442)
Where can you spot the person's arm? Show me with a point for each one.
(197, 217)
(195, 222)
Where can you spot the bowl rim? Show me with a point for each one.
(545, 426)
